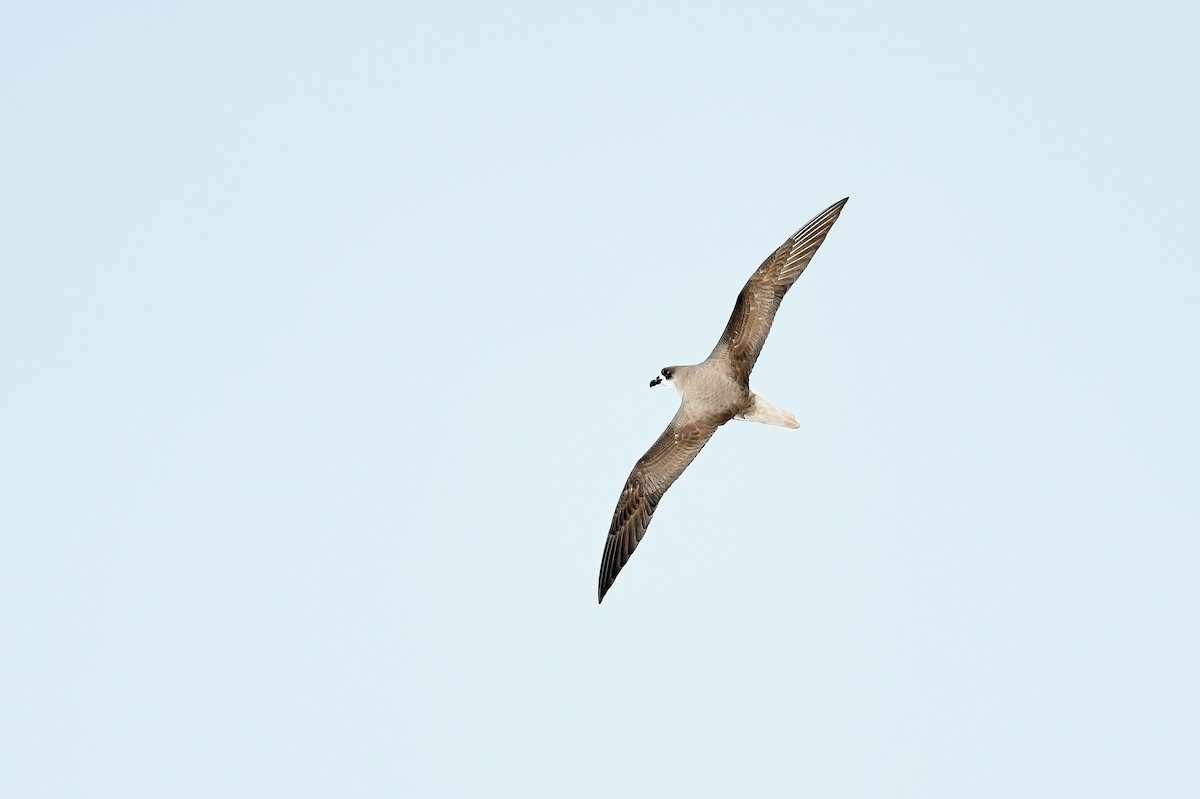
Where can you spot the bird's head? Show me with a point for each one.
(667, 373)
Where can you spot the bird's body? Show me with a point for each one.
(711, 393)
(710, 389)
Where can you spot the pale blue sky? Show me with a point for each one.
(327, 334)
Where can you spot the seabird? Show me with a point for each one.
(711, 393)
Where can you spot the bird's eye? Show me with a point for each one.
(666, 373)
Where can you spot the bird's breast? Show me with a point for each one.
(714, 393)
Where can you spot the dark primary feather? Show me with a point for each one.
(653, 474)
(754, 311)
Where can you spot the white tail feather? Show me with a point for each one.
(765, 413)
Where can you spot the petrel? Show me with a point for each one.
(711, 393)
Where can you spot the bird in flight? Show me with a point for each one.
(711, 393)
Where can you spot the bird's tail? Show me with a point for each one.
(765, 413)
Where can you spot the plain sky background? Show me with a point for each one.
(327, 331)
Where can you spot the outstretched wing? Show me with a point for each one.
(653, 474)
(754, 311)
